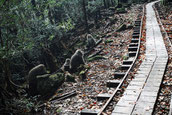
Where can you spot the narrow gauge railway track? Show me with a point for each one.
(133, 52)
(168, 39)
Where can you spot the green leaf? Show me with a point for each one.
(1, 2)
(108, 41)
(51, 37)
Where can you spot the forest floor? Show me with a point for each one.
(114, 52)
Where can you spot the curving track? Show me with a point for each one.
(140, 96)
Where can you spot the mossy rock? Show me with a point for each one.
(82, 74)
(47, 84)
(70, 78)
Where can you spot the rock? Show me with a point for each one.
(70, 78)
(82, 74)
(48, 84)
(112, 20)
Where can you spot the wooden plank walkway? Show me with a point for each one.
(141, 94)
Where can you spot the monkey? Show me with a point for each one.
(90, 41)
(37, 70)
(76, 60)
(66, 65)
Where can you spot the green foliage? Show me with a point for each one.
(164, 2)
(24, 105)
(121, 10)
(94, 5)
(58, 111)
(2, 2)
(161, 1)
(66, 25)
(26, 26)
(125, 57)
(108, 41)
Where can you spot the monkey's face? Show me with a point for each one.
(89, 36)
(67, 61)
(79, 52)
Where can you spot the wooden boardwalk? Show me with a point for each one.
(141, 94)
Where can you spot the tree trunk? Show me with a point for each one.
(99, 13)
(112, 2)
(104, 1)
(2, 97)
(50, 15)
(108, 3)
(4, 94)
(10, 86)
(96, 18)
(85, 14)
(1, 39)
